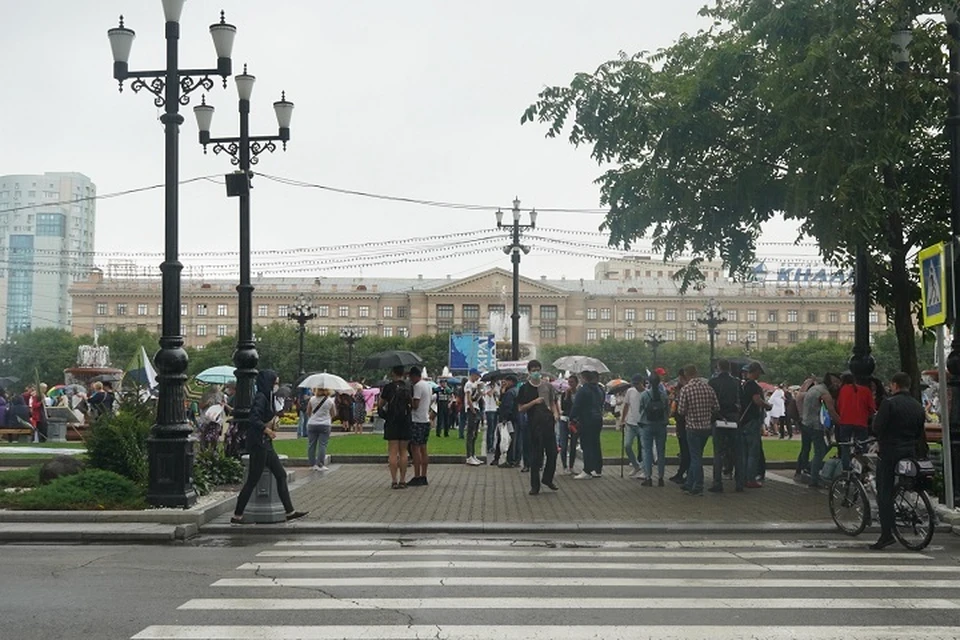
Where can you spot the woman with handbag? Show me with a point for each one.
(321, 411)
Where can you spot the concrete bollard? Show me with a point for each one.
(264, 506)
(56, 432)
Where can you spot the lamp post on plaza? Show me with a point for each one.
(712, 316)
(244, 151)
(513, 250)
(350, 336)
(304, 313)
(169, 446)
(653, 340)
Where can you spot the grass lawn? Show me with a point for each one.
(374, 444)
(29, 477)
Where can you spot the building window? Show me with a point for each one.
(283, 310)
(222, 310)
(444, 317)
(874, 317)
(364, 311)
(323, 311)
(833, 317)
(691, 335)
(141, 309)
(591, 334)
(121, 309)
(752, 315)
(159, 308)
(833, 336)
(401, 312)
(344, 311)
(604, 334)
(388, 332)
(732, 315)
(670, 315)
(650, 315)
(793, 337)
(101, 308)
(221, 330)
(201, 309)
(591, 314)
(811, 335)
(851, 316)
(548, 321)
(471, 317)
(262, 311)
(773, 316)
(812, 317)
(629, 334)
(670, 335)
(525, 310)
(772, 337)
(388, 312)
(183, 309)
(605, 314)
(201, 347)
(403, 332)
(731, 336)
(201, 330)
(322, 330)
(691, 315)
(497, 310)
(793, 316)
(629, 314)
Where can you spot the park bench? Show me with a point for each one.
(23, 434)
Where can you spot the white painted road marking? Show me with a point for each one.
(579, 544)
(404, 604)
(487, 581)
(503, 632)
(610, 554)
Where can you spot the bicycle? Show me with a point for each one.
(914, 517)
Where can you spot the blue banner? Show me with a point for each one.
(472, 351)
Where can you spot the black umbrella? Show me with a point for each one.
(7, 381)
(391, 359)
(496, 374)
(284, 391)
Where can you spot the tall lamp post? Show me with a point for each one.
(169, 446)
(302, 314)
(350, 336)
(513, 250)
(712, 316)
(653, 340)
(243, 151)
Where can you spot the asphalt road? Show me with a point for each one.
(450, 587)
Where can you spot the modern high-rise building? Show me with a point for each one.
(47, 225)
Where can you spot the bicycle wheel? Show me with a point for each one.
(914, 519)
(849, 507)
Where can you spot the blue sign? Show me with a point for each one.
(472, 351)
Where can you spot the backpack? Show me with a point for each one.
(656, 410)
(397, 408)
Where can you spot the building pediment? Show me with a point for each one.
(494, 281)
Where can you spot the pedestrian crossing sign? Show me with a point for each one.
(933, 284)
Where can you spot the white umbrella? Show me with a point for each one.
(578, 364)
(326, 381)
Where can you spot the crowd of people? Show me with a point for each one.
(29, 407)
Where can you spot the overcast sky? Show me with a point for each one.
(420, 98)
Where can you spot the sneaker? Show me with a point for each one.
(647, 483)
(660, 482)
(316, 467)
(883, 543)
(753, 484)
(323, 467)
(717, 488)
(637, 473)
(473, 462)
(583, 475)
(524, 469)
(678, 479)
(596, 474)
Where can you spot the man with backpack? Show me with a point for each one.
(394, 406)
(630, 420)
(726, 435)
(653, 429)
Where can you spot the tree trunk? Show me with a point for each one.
(903, 322)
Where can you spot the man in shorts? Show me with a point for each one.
(420, 426)
(394, 406)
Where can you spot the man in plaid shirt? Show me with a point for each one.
(698, 404)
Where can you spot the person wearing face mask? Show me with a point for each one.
(261, 430)
(538, 399)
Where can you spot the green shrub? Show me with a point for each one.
(212, 467)
(90, 489)
(29, 477)
(118, 442)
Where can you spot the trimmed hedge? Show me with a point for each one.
(92, 489)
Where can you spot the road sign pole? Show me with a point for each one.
(947, 456)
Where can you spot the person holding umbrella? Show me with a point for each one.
(261, 430)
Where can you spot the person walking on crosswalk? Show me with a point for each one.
(538, 399)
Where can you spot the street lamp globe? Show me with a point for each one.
(245, 83)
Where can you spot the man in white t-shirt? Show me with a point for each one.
(420, 427)
(630, 419)
(472, 392)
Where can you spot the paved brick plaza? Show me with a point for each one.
(361, 493)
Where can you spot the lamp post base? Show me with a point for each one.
(171, 471)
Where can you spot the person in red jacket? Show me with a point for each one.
(855, 405)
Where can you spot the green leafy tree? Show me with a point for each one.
(781, 107)
(124, 345)
(42, 353)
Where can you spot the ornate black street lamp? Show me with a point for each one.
(350, 336)
(653, 340)
(170, 447)
(513, 250)
(243, 151)
(712, 316)
(302, 314)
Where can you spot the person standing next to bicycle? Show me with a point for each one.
(898, 426)
(817, 399)
(855, 407)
